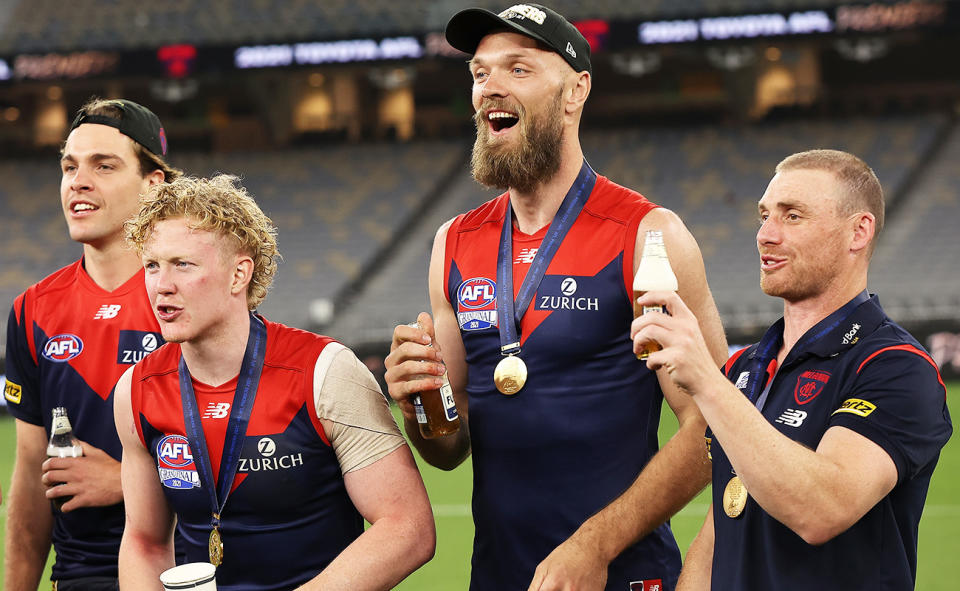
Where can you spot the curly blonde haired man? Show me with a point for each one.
(287, 425)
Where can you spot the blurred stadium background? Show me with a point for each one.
(349, 120)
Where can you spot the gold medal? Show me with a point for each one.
(510, 375)
(215, 547)
(734, 498)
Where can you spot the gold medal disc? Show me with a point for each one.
(510, 375)
(215, 547)
(734, 498)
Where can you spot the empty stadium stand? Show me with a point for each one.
(45, 25)
(357, 221)
(335, 207)
(712, 176)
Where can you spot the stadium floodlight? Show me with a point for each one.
(636, 64)
(731, 58)
(862, 50)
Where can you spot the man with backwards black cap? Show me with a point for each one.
(69, 338)
(570, 491)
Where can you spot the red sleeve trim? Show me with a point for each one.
(733, 359)
(448, 248)
(26, 321)
(908, 349)
(135, 399)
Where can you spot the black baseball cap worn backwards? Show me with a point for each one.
(136, 122)
(469, 26)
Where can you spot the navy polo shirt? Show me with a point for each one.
(858, 369)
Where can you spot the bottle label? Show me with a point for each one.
(449, 406)
(655, 309)
(60, 425)
(418, 407)
(68, 451)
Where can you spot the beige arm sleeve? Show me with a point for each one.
(354, 411)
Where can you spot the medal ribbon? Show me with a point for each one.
(243, 399)
(509, 313)
(757, 388)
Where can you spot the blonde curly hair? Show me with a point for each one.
(218, 204)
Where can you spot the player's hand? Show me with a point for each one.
(572, 566)
(93, 480)
(413, 365)
(685, 355)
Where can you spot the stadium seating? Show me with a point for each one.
(714, 176)
(44, 25)
(916, 267)
(340, 210)
(335, 208)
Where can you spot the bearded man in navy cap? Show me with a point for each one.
(531, 297)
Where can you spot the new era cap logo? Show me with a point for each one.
(522, 11)
(571, 51)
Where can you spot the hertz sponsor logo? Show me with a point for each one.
(12, 392)
(857, 407)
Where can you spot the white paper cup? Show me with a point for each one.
(195, 576)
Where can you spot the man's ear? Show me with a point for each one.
(242, 274)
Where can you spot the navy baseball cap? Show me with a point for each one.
(469, 26)
(136, 122)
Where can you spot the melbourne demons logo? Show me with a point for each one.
(809, 385)
(477, 301)
(175, 463)
(62, 348)
(476, 293)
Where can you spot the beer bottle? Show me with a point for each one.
(653, 274)
(62, 444)
(436, 410)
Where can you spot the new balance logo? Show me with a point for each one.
(216, 410)
(526, 256)
(793, 418)
(107, 311)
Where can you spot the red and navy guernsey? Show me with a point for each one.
(861, 371)
(581, 429)
(68, 342)
(288, 514)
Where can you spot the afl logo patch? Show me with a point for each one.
(62, 347)
(809, 385)
(476, 293)
(175, 463)
(174, 451)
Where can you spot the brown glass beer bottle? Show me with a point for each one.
(436, 409)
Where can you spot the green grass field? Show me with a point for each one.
(938, 569)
